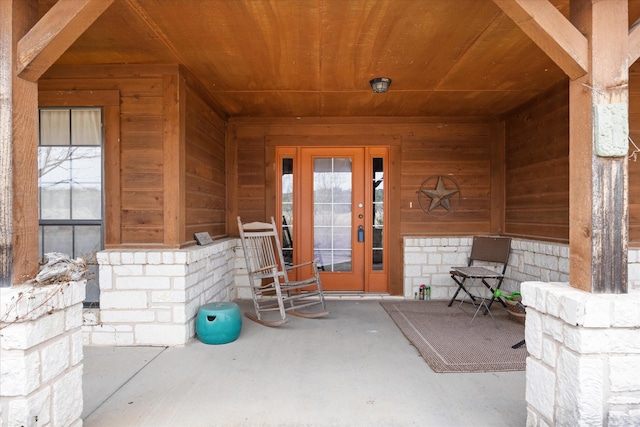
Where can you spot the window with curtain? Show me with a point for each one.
(70, 171)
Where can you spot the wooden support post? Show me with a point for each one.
(18, 150)
(598, 205)
(6, 142)
(25, 155)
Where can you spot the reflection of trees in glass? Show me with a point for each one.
(286, 183)
(70, 180)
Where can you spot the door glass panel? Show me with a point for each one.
(378, 213)
(287, 210)
(332, 201)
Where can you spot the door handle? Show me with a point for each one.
(360, 233)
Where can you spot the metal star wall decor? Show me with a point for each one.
(439, 191)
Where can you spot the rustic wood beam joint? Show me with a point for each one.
(58, 29)
(552, 32)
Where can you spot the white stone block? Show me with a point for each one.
(412, 271)
(114, 258)
(29, 334)
(143, 283)
(553, 327)
(540, 391)
(73, 317)
(123, 300)
(55, 358)
(105, 277)
(179, 283)
(626, 311)
(166, 270)
(595, 341)
(127, 316)
(415, 259)
(180, 257)
(154, 258)
(624, 373)
(67, 398)
(161, 334)
(90, 316)
(179, 314)
(32, 411)
(580, 390)
(597, 311)
(623, 419)
(549, 352)
(127, 270)
(126, 257)
(139, 257)
(102, 257)
(77, 352)
(572, 307)
(19, 372)
(434, 258)
(164, 315)
(533, 333)
(167, 296)
(167, 257)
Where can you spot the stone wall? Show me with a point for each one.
(429, 260)
(41, 355)
(152, 297)
(584, 357)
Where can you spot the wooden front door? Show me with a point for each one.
(336, 215)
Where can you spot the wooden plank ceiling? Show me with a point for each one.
(284, 58)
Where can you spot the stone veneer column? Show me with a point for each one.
(41, 355)
(583, 367)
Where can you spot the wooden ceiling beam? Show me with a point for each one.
(634, 43)
(552, 32)
(54, 33)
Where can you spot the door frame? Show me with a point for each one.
(395, 280)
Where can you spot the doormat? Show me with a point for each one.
(449, 342)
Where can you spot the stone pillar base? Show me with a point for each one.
(584, 356)
(41, 355)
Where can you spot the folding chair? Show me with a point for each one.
(271, 289)
(493, 254)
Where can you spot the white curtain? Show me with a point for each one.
(54, 127)
(85, 127)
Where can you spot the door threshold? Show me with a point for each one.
(353, 295)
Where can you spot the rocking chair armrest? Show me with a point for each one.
(291, 267)
(266, 268)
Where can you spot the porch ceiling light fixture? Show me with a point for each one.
(380, 84)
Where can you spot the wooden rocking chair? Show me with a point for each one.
(271, 288)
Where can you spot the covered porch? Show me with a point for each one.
(528, 107)
(353, 368)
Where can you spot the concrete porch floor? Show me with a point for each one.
(351, 368)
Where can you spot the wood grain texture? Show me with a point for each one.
(6, 144)
(25, 159)
(537, 169)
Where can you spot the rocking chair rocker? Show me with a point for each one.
(271, 289)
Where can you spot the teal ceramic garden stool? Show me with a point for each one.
(219, 322)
